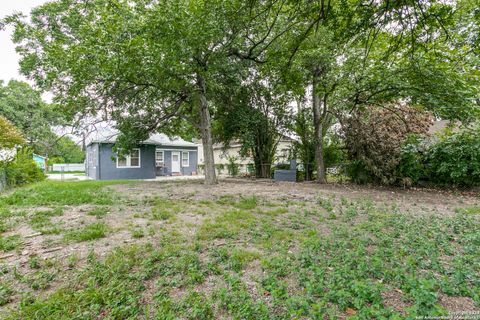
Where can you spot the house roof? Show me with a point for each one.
(159, 139)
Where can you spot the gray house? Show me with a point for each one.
(156, 156)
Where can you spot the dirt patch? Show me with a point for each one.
(458, 304)
(394, 299)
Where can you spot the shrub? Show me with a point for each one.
(23, 170)
(455, 158)
(377, 141)
(412, 167)
(232, 166)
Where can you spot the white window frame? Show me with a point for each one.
(163, 157)
(188, 159)
(128, 160)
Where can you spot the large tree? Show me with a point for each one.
(24, 107)
(256, 114)
(147, 65)
(350, 56)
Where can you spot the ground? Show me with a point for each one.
(237, 250)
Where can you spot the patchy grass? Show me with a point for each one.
(89, 232)
(9, 243)
(41, 221)
(5, 294)
(239, 256)
(99, 212)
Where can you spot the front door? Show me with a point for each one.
(175, 161)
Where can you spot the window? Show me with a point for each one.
(131, 160)
(159, 158)
(185, 159)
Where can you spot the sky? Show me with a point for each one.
(8, 57)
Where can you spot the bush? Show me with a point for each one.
(23, 170)
(233, 167)
(412, 157)
(377, 140)
(455, 159)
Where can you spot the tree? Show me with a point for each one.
(10, 137)
(148, 65)
(68, 151)
(24, 107)
(374, 137)
(257, 116)
(349, 56)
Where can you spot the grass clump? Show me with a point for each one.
(10, 243)
(227, 225)
(164, 209)
(5, 294)
(138, 233)
(246, 203)
(99, 212)
(89, 232)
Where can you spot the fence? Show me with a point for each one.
(68, 167)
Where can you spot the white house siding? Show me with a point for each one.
(221, 156)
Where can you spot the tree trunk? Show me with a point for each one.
(206, 132)
(318, 116)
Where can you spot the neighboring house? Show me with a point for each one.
(222, 155)
(40, 161)
(156, 156)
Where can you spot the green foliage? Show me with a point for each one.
(455, 158)
(411, 167)
(23, 106)
(233, 167)
(378, 139)
(66, 151)
(23, 170)
(10, 136)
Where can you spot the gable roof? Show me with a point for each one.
(158, 139)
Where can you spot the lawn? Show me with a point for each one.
(239, 250)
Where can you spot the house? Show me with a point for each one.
(246, 164)
(157, 156)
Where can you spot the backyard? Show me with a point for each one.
(237, 250)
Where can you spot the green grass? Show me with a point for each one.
(41, 221)
(5, 294)
(62, 193)
(89, 232)
(10, 243)
(469, 210)
(99, 212)
(164, 209)
(245, 258)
